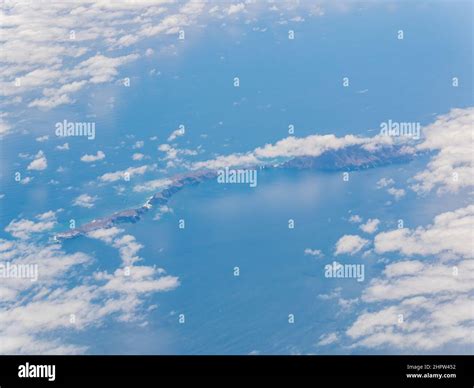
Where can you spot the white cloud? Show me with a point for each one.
(35, 317)
(142, 279)
(433, 303)
(39, 163)
(162, 210)
(355, 219)
(297, 19)
(312, 145)
(23, 228)
(451, 137)
(227, 161)
(173, 155)
(42, 138)
(389, 182)
(370, 226)
(4, 127)
(26, 180)
(193, 8)
(397, 193)
(49, 215)
(55, 97)
(450, 234)
(105, 234)
(59, 56)
(313, 252)
(137, 156)
(55, 58)
(99, 68)
(128, 248)
(152, 185)
(126, 244)
(64, 147)
(350, 244)
(235, 8)
(93, 158)
(327, 339)
(176, 133)
(384, 182)
(123, 174)
(409, 278)
(84, 200)
(138, 144)
(422, 305)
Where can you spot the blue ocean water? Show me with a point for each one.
(229, 226)
(282, 83)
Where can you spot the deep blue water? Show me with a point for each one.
(282, 83)
(228, 226)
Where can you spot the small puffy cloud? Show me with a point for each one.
(162, 210)
(140, 280)
(64, 147)
(176, 133)
(26, 180)
(152, 185)
(327, 339)
(138, 156)
(100, 68)
(370, 226)
(50, 102)
(84, 200)
(55, 97)
(192, 8)
(228, 161)
(384, 182)
(397, 193)
(4, 127)
(297, 19)
(235, 8)
(49, 215)
(125, 174)
(350, 244)
(389, 182)
(355, 219)
(39, 163)
(105, 234)
(41, 139)
(128, 248)
(173, 154)
(138, 144)
(313, 252)
(93, 158)
(126, 244)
